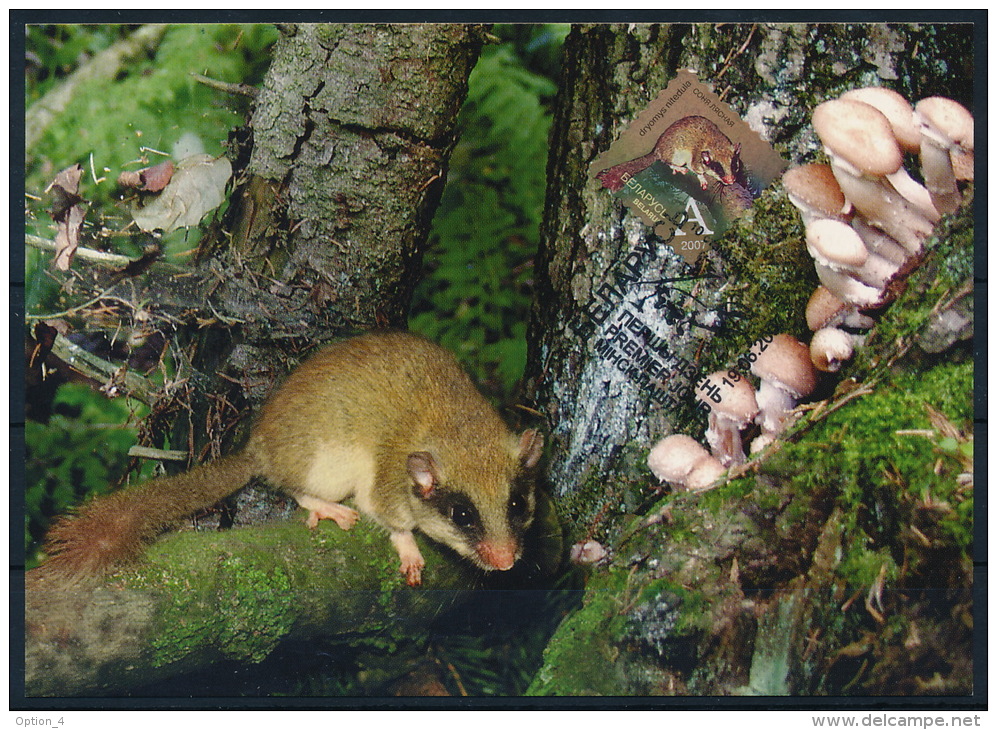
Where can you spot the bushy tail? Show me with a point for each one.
(113, 530)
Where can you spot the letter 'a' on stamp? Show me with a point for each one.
(688, 166)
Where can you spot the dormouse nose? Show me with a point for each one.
(500, 555)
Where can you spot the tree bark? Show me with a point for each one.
(351, 136)
(755, 587)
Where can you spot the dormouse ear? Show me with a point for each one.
(531, 445)
(737, 148)
(422, 469)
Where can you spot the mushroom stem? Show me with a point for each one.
(724, 438)
(877, 271)
(774, 406)
(915, 193)
(936, 163)
(848, 289)
(882, 206)
(880, 243)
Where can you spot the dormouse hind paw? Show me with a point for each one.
(319, 509)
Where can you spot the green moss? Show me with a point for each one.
(580, 658)
(766, 257)
(255, 608)
(185, 621)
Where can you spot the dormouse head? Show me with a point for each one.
(479, 509)
(726, 171)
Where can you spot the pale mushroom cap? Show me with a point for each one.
(823, 307)
(737, 397)
(895, 108)
(836, 244)
(786, 362)
(829, 348)
(948, 118)
(705, 472)
(813, 186)
(583, 553)
(859, 134)
(673, 457)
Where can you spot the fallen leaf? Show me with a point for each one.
(68, 213)
(197, 187)
(67, 237)
(64, 190)
(152, 179)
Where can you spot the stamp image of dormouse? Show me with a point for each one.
(389, 419)
(691, 144)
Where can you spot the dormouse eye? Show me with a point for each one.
(518, 506)
(461, 516)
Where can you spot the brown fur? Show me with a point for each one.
(115, 529)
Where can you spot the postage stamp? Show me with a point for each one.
(688, 166)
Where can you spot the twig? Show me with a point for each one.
(100, 257)
(146, 452)
(241, 89)
(97, 369)
(71, 310)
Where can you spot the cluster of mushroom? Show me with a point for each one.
(866, 218)
(866, 222)
(786, 375)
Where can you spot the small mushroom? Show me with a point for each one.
(830, 348)
(587, 553)
(786, 375)
(672, 458)
(732, 407)
(826, 310)
(859, 141)
(681, 461)
(945, 126)
(836, 245)
(815, 193)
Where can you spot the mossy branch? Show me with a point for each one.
(202, 597)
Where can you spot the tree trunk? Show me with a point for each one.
(796, 578)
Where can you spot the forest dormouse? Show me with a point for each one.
(389, 419)
(691, 144)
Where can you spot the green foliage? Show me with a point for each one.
(475, 298)
(81, 451)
